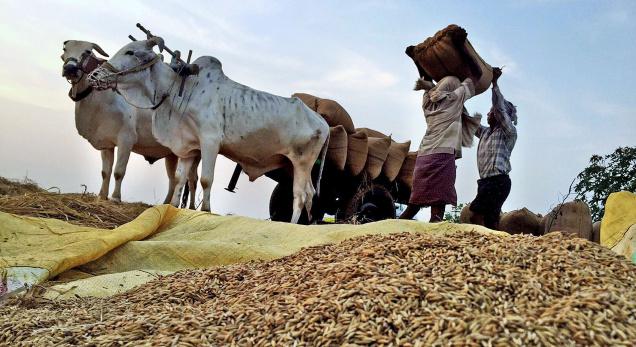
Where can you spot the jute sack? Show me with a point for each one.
(395, 159)
(449, 53)
(309, 100)
(335, 114)
(596, 232)
(372, 132)
(572, 217)
(406, 171)
(337, 150)
(521, 221)
(465, 214)
(357, 150)
(329, 109)
(378, 151)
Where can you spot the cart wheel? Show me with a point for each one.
(280, 205)
(370, 204)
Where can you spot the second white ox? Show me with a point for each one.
(107, 121)
(258, 130)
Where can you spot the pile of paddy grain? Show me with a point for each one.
(25, 198)
(402, 289)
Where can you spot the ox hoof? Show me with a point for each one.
(114, 199)
(101, 198)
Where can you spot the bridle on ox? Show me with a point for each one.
(86, 64)
(106, 77)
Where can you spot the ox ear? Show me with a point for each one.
(99, 50)
(155, 41)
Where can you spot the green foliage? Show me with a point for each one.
(606, 175)
(453, 214)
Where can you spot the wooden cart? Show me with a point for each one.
(349, 198)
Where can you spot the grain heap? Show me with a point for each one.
(405, 289)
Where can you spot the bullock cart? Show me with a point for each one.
(362, 188)
(364, 175)
(349, 198)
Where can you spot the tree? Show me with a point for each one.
(453, 214)
(606, 175)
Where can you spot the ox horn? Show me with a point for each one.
(155, 41)
(99, 50)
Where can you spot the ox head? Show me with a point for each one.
(79, 59)
(128, 66)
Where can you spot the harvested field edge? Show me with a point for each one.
(25, 198)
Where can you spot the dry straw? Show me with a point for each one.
(27, 199)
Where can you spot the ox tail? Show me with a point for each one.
(323, 157)
(186, 193)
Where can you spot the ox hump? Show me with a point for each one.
(208, 63)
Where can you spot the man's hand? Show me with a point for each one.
(496, 73)
(423, 83)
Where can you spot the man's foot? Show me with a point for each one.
(496, 73)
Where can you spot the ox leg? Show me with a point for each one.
(209, 152)
(123, 154)
(309, 197)
(193, 177)
(181, 175)
(302, 195)
(108, 158)
(171, 167)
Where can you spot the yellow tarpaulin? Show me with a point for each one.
(164, 238)
(618, 227)
(57, 246)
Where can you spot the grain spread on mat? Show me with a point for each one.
(402, 289)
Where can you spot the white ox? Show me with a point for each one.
(258, 130)
(107, 121)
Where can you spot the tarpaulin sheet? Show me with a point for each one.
(164, 239)
(618, 227)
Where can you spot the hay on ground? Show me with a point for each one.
(27, 199)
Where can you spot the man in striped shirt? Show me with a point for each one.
(493, 159)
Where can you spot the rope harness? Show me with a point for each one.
(81, 95)
(86, 64)
(107, 76)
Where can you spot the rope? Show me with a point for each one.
(137, 69)
(133, 69)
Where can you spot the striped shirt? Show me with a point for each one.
(496, 143)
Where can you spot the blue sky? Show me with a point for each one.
(570, 69)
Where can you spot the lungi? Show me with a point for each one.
(434, 180)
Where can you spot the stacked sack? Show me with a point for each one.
(571, 217)
(361, 150)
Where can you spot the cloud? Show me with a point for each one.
(611, 110)
(350, 71)
(500, 58)
(286, 47)
(619, 13)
